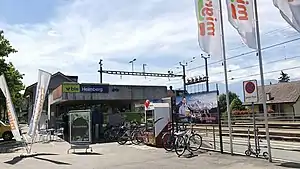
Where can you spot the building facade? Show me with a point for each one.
(283, 100)
(30, 92)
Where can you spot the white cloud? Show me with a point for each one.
(84, 31)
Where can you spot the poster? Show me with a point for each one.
(80, 126)
(201, 107)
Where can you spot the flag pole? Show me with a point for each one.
(264, 98)
(226, 79)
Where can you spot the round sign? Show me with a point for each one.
(250, 87)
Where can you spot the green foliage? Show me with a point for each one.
(284, 77)
(12, 75)
(236, 104)
(232, 96)
(5, 46)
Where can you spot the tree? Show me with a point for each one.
(236, 104)
(12, 75)
(232, 96)
(284, 77)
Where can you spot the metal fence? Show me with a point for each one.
(284, 133)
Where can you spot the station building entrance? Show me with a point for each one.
(109, 103)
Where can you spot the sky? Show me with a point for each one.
(71, 36)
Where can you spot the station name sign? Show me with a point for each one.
(94, 88)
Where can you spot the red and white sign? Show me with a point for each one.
(147, 104)
(250, 91)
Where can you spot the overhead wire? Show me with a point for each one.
(246, 53)
(256, 65)
(266, 33)
(242, 46)
(269, 72)
(237, 56)
(251, 75)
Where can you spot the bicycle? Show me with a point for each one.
(111, 133)
(138, 135)
(125, 133)
(168, 138)
(184, 141)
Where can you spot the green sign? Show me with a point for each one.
(80, 126)
(71, 88)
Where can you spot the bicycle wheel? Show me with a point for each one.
(195, 142)
(106, 136)
(123, 139)
(180, 146)
(136, 137)
(266, 155)
(168, 141)
(248, 153)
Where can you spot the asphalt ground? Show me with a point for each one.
(113, 156)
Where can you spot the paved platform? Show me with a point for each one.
(114, 156)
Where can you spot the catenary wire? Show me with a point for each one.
(246, 53)
(256, 65)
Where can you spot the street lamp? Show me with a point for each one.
(132, 63)
(100, 70)
(144, 69)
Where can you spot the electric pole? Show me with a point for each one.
(183, 77)
(100, 70)
(206, 70)
(144, 69)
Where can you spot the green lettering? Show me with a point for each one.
(200, 7)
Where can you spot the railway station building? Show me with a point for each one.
(66, 93)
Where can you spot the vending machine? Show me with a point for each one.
(157, 118)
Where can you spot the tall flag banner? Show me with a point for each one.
(241, 17)
(209, 28)
(290, 11)
(41, 91)
(13, 121)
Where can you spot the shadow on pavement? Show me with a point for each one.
(52, 161)
(88, 153)
(194, 154)
(17, 159)
(10, 146)
(290, 165)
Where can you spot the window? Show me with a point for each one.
(268, 96)
(261, 109)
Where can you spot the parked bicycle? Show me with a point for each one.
(111, 133)
(138, 135)
(187, 140)
(125, 133)
(168, 138)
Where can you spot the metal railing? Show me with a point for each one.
(259, 117)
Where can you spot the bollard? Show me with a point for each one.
(97, 132)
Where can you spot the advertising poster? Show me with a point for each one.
(201, 107)
(80, 126)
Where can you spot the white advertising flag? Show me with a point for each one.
(290, 11)
(13, 121)
(209, 28)
(241, 17)
(41, 89)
